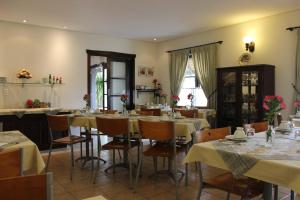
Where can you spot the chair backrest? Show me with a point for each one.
(113, 126)
(191, 113)
(213, 134)
(33, 187)
(156, 111)
(260, 126)
(11, 163)
(146, 112)
(157, 130)
(58, 123)
(108, 111)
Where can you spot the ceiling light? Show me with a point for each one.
(24, 21)
(65, 27)
(154, 39)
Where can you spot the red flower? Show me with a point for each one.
(297, 103)
(190, 96)
(283, 106)
(266, 107)
(280, 99)
(175, 98)
(124, 98)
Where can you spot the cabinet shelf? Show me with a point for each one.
(32, 84)
(154, 91)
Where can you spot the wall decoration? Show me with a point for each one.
(142, 71)
(245, 59)
(150, 71)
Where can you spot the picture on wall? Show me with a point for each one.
(150, 71)
(146, 71)
(142, 71)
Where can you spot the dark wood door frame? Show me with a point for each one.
(130, 62)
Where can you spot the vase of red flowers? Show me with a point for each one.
(174, 100)
(190, 97)
(124, 99)
(297, 106)
(87, 100)
(272, 105)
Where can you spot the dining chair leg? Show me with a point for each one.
(80, 150)
(275, 192)
(292, 195)
(130, 167)
(138, 168)
(114, 160)
(155, 164)
(228, 196)
(72, 163)
(120, 157)
(200, 181)
(98, 150)
(186, 174)
(175, 176)
(48, 160)
(92, 152)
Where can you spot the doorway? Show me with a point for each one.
(110, 75)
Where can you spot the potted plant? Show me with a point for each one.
(190, 97)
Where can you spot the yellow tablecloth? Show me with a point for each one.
(183, 127)
(32, 158)
(280, 172)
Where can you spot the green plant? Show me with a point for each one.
(99, 89)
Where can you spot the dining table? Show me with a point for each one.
(32, 161)
(278, 164)
(184, 127)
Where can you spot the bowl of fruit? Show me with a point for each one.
(24, 74)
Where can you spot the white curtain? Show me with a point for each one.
(178, 62)
(297, 81)
(205, 61)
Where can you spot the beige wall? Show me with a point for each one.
(274, 45)
(45, 50)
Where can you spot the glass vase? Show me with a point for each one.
(270, 136)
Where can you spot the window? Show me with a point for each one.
(190, 84)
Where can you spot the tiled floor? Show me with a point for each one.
(116, 186)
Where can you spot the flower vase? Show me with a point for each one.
(270, 136)
(124, 109)
(192, 104)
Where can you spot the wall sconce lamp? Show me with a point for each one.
(249, 44)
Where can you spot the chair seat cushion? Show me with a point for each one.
(245, 187)
(70, 140)
(119, 145)
(162, 150)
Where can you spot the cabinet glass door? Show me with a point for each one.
(249, 96)
(229, 97)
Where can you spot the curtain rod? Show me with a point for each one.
(292, 28)
(218, 42)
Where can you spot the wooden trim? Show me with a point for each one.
(109, 54)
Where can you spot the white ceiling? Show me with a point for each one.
(141, 19)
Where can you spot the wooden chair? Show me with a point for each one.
(60, 123)
(146, 112)
(11, 163)
(260, 126)
(191, 113)
(245, 187)
(116, 128)
(33, 187)
(156, 111)
(164, 135)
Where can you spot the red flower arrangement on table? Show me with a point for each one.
(190, 97)
(272, 105)
(124, 98)
(175, 100)
(87, 100)
(297, 105)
